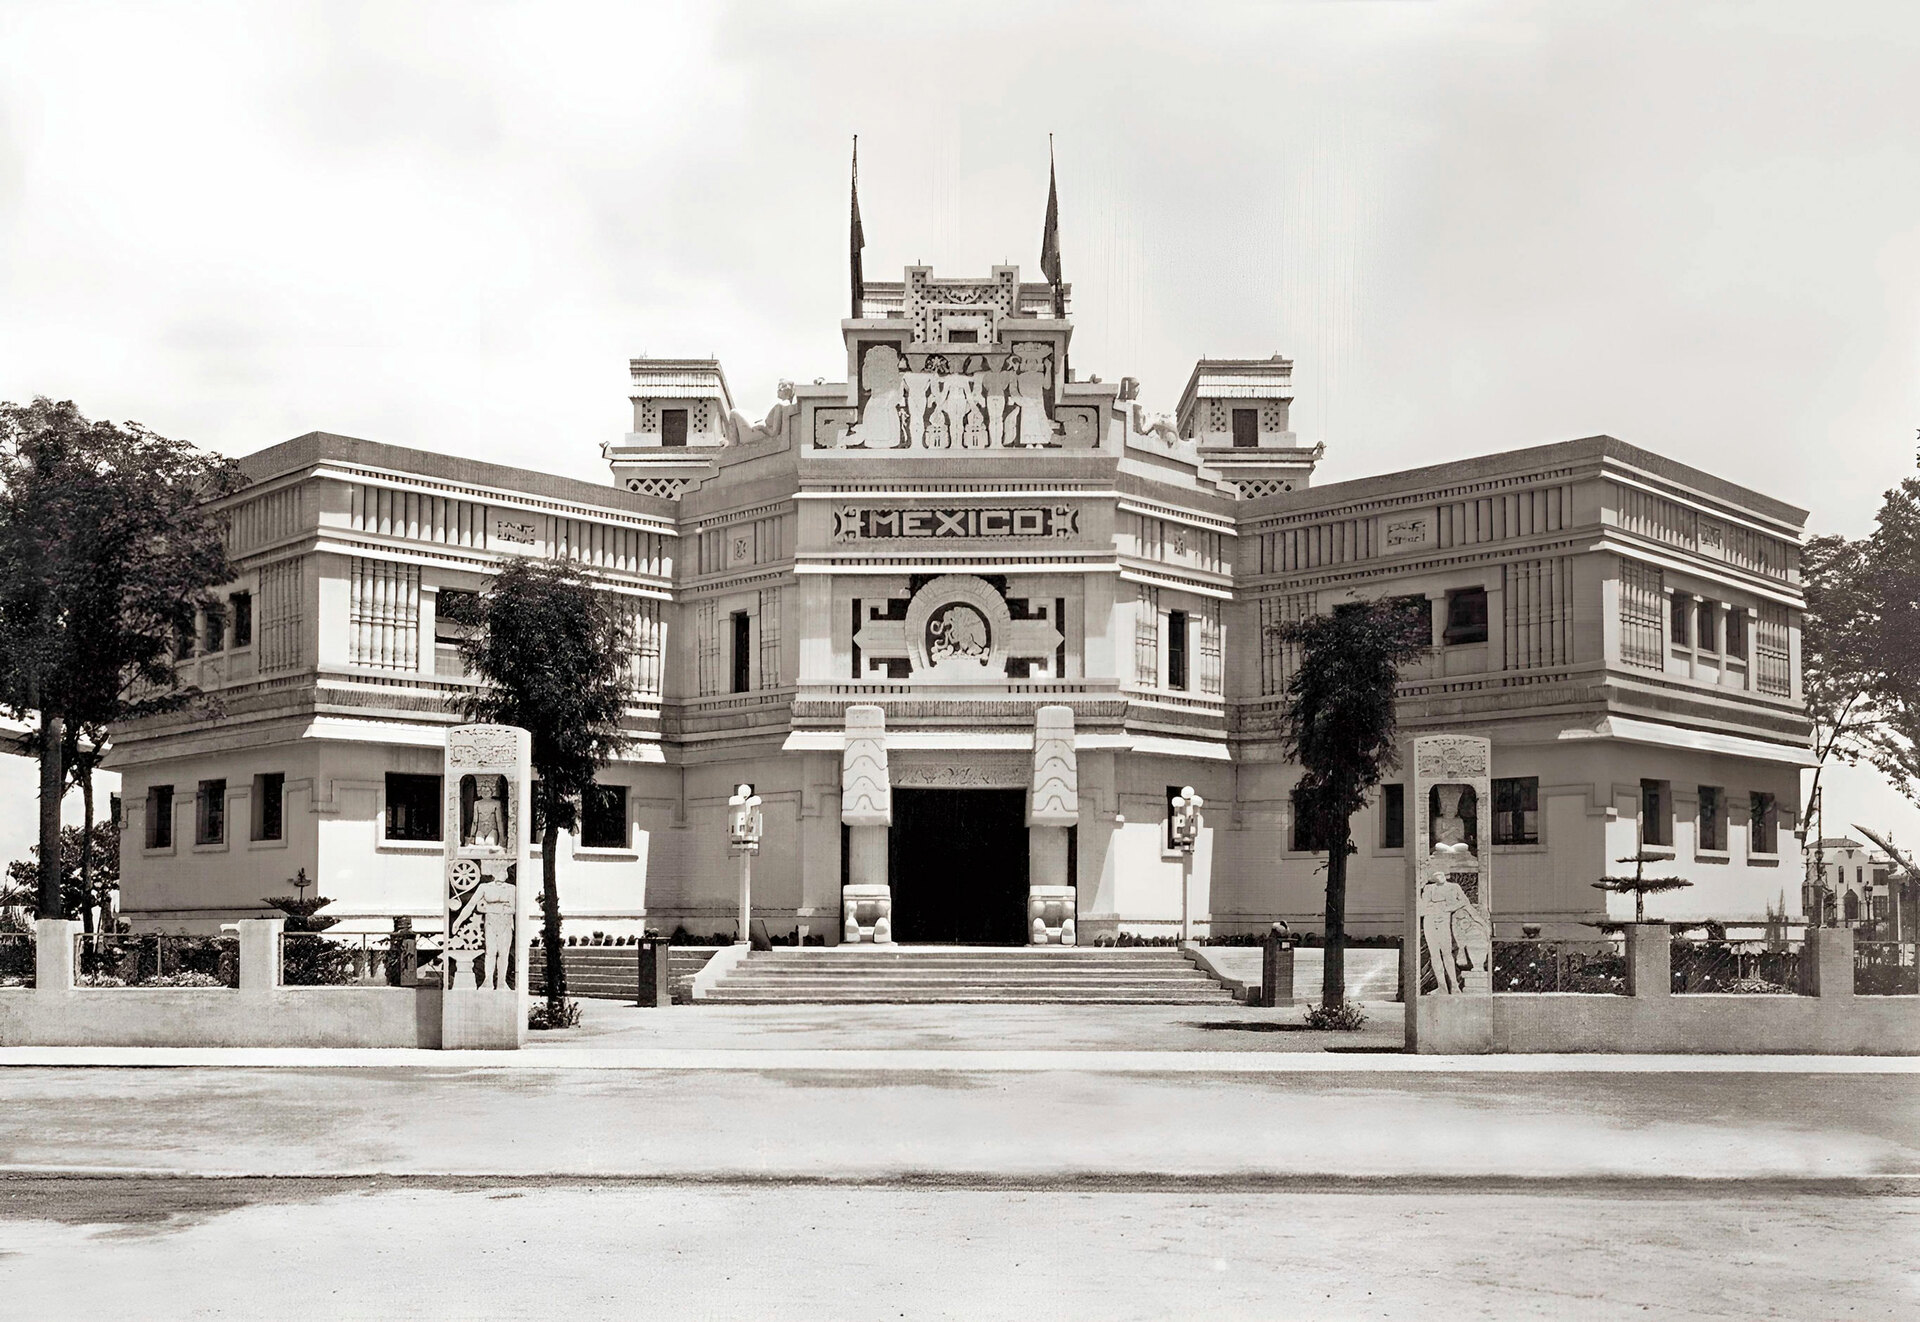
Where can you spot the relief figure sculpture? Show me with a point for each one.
(1454, 927)
(879, 426)
(487, 827)
(480, 907)
(1032, 370)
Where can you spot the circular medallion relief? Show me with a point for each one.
(957, 630)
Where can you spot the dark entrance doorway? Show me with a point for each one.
(957, 861)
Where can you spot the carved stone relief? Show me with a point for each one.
(866, 798)
(1453, 903)
(1056, 770)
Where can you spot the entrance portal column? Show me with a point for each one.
(866, 806)
(1053, 808)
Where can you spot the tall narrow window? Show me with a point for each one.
(242, 605)
(1308, 838)
(1393, 816)
(215, 636)
(603, 817)
(1176, 649)
(1762, 824)
(1466, 616)
(742, 653)
(1682, 620)
(1713, 834)
(210, 813)
(413, 807)
(1737, 632)
(268, 792)
(1656, 813)
(673, 427)
(1246, 428)
(160, 817)
(1516, 811)
(1709, 617)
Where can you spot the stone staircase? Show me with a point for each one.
(612, 973)
(1040, 975)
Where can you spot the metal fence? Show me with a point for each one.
(357, 959)
(1886, 968)
(1542, 964)
(17, 959)
(1738, 966)
(155, 959)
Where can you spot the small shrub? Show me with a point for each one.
(99, 980)
(183, 980)
(542, 1015)
(1758, 985)
(1345, 1017)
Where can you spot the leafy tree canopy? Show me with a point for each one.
(106, 549)
(20, 893)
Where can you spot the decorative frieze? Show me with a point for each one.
(1055, 800)
(866, 794)
(852, 523)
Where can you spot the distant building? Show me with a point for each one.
(1035, 610)
(1852, 886)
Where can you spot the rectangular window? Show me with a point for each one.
(1393, 816)
(603, 817)
(1656, 813)
(1308, 838)
(742, 653)
(1713, 833)
(1682, 620)
(673, 427)
(160, 817)
(1246, 428)
(215, 625)
(1418, 611)
(242, 606)
(958, 336)
(1709, 617)
(1516, 811)
(1466, 616)
(268, 791)
(1763, 824)
(1176, 649)
(1737, 633)
(210, 813)
(413, 807)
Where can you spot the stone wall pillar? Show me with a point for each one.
(1649, 959)
(260, 953)
(487, 805)
(866, 807)
(1449, 938)
(53, 954)
(1830, 961)
(1053, 807)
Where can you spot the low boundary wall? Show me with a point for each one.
(261, 1013)
(1827, 1020)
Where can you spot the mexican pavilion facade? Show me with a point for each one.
(966, 621)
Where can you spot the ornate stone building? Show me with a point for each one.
(965, 621)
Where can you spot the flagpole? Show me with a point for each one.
(856, 240)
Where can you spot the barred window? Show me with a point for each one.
(1516, 811)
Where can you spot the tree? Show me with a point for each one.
(80, 890)
(1340, 728)
(1639, 885)
(554, 661)
(1860, 646)
(107, 549)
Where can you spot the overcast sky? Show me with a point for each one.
(1472, 225)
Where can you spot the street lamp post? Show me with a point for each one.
(743, 840)
(1186, 834)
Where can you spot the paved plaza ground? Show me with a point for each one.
(748, 1163)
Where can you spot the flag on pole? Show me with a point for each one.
(857, 239)
(1050, 237)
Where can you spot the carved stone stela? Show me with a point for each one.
(1453, 901)
(1053, 806)
(483, 964)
